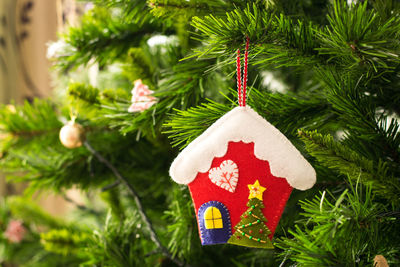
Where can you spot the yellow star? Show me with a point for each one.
(256, 190)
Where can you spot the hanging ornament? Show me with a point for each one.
(15, 231)
(241, 172)
(72, 134)
(380, 261)
(142, 98)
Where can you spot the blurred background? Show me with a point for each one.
(26, 29)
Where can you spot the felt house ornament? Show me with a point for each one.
(226, 165)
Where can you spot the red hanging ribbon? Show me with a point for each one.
(242, 91)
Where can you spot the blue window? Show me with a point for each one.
(214, 223)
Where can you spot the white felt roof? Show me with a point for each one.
(244, 124)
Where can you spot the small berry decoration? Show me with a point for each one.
(72, 135)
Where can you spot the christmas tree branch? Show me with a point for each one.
(24, 209)
(64, 241)
(80, 206)
(185, 126)
(355, 211)
(145, 218)
(360, 116)
(187, 9)
(30, 119)
(110, 186)
(335, 155)
(89, 40)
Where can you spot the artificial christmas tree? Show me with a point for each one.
(324, 73)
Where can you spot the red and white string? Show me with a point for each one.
(242, 82)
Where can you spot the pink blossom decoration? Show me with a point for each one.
(15, 231)
(141, 97)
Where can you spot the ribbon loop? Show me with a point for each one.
(242, 89)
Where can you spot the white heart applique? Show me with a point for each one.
(225, 176)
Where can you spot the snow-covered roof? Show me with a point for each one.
(246, 125)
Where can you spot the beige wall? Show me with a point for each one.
(26, 26)
(29, 25)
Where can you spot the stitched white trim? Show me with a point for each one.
(246, 125)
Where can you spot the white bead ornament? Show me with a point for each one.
(72, 135)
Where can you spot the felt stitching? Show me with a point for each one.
(218, 175)
(200, 217)
(244, 124)
(253, 224)
(203, 190)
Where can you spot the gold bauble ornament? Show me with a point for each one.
(72, 135)
(380, 261)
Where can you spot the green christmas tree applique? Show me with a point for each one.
(251, 231)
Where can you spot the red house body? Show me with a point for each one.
(236, 151)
